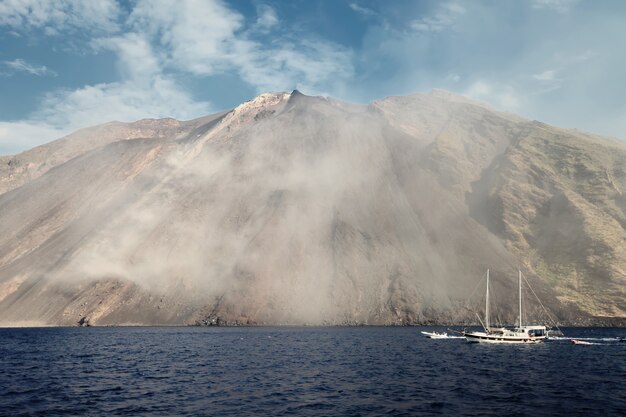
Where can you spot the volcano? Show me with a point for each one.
(294, 209)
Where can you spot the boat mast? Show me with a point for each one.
(487, 305)
(520, 297)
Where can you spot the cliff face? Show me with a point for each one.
(297, 209)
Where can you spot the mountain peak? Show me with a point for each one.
(265, 100)
(260, 103)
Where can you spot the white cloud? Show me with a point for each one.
(19, 65)
(547, 75)
(563, 71)
(305, 64)
(144, 91)
(123, 101)
(198, 36)
(455, 78)
(207, 38)
(136, 59)
(267, 18)
(582, 57)
(444, 17)
(362, 10)
(17, 136)
(559, 6)
(54, 16)
(502, 97)
(62, 112)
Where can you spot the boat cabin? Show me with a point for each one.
(533, 331)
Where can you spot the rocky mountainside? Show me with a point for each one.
(20, 169)
(292, 209)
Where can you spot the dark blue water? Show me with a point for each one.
(304, 371)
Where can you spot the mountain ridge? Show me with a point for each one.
(293, 209)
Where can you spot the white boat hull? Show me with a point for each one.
(480, 337)
(433, 335)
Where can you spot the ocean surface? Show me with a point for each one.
(312, 371)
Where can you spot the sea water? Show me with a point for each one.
(317, 371)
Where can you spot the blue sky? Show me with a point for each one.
(76, 63)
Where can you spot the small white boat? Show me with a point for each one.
(435, 335)
(519, 334)
(581, 342)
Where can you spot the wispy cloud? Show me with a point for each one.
(501, 96)
(546, 82)
(559, 6)
(308, 64)
(136, 59)
(54, 17)
(196, 37)
(444, 17)
(19, 65)
(143, 91)
(455, 78)
(16, 136)
(547, 75)
(209, 38)
(582, 56)
(364, 11)
(562, 67)
(267, 18)
(62, 112)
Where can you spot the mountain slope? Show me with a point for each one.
(19, 169)
(297, 209)
(558, 203)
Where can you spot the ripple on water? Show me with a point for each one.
(302, 371)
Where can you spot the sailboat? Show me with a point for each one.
(519, 334)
